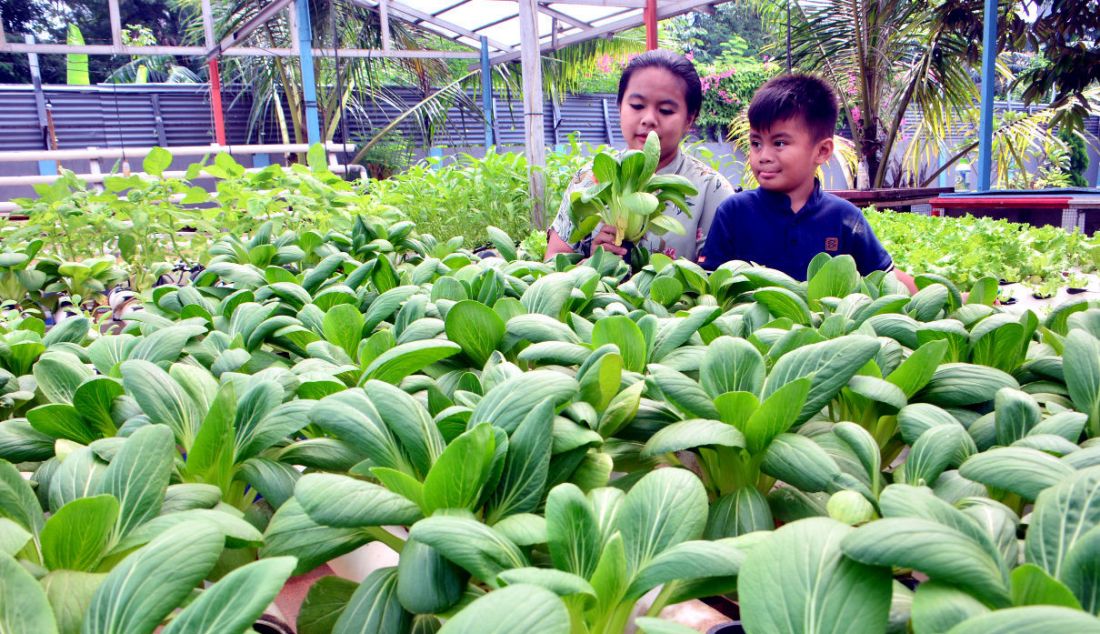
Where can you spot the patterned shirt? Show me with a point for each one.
(713, 189)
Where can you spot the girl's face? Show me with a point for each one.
(654, 101)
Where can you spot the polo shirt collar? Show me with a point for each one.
(674, 165)
(780, 201)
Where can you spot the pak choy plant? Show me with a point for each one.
(629, 196)
(105, 543)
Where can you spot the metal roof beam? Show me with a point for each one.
(415, 16)
(116, 22)
(630, 4)
(568, 19)
(237, 51)
(664, 10)
(257, 21)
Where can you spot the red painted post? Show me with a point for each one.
(650, 18)
(216, 102)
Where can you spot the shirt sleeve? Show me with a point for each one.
(868, 252)
(716, 249)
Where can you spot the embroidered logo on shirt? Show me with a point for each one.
(832, 244)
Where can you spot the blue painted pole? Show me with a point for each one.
(985, 127)
(943, 174)
(305, 57)
(487, 91)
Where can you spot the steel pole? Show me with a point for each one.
(985, 128)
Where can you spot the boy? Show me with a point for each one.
(789, 219)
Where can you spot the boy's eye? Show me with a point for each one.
(780, 143)
(637, 106)
(668, 112)
(755, 144)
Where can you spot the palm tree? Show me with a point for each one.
(883, 58)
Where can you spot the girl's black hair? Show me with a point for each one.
(674, 63)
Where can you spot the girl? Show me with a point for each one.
(659, 91)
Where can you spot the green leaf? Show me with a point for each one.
(476, 328)
(1062, 515)
(508, 403)
(343, 502)
(235, 602)
(1031, 585)
(292, 532)
(1082, 368)
(693, 433)
(937, 607)
(70, 330)
(563, 584)
(743, 511)
(516, 608)
(963, 384)
(374, 607)
(731, 365)
(526, 467)
(549, 295)
(650, 625)
(1033, 619)
(503, 242)
(156, 161)
(936, 450)
(476, 547)
(627, 337)
(688, 560)
(70, 593)
(138, 476)
(456, 479)
(917, 370)
(664, 508)
(1023, 471)
(77, 535)
(620, 410)
(13, 537)
(801, 462)
(343, 326)
(60, 420)
(162, 399)
(683, 392)
(400, 361)
(146, 586)
(572, 531)
(58, 374)
(781, 303)
(211, 457)
(94, 399)
(943, 553)
(324, 603)
(775, 415)
(25, 608)
(1081, 570)
(1016, 414)
(409, 421)
(426, 582)
(831, 364)
(799, 580)
(836, 278)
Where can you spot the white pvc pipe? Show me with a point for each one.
(99, 178)
(183, 150)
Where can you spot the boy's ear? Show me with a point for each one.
(824, 151)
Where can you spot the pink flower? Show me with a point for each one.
(690, 56)
(670, 252)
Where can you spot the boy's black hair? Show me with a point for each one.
(795, 96)
(674, 63)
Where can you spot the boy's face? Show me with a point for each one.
(785, 158)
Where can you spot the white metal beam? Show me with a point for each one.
(629, 4)
(568, 19)
(257, 21)
(414, 15)
(208, 24)
(534, 136)
(664, 10)
(384, 19)
(237, 51)
(116, 22)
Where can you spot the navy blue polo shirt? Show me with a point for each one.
(758, 226)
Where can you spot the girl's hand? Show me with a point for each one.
(605, 238)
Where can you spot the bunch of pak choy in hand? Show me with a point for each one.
(629, 196)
